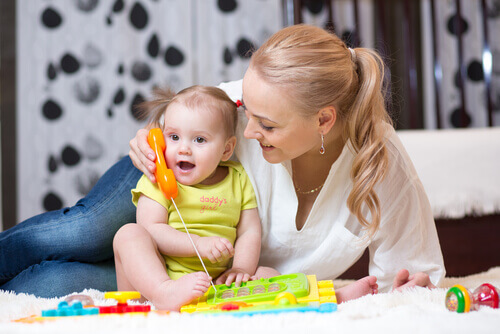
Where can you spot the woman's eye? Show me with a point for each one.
(267, 128)
(200, 140)
(174, 137)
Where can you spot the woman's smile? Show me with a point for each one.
(266, 147)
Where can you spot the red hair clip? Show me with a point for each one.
(238, 103)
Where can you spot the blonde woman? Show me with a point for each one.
(329, 171)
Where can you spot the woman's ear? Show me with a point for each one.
(326, 119)
(229, 148)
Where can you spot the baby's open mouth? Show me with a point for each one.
(184, 165)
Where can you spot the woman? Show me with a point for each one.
(331, 176)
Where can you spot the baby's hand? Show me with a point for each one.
(215, 249)
(235, 275)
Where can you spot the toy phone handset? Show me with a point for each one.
(164, 176)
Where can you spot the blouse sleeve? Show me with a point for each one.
(407, 237)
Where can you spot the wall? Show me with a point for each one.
(83, 65)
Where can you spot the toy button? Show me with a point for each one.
(230, 307)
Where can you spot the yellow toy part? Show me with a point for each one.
(285, 298)
(122, 296)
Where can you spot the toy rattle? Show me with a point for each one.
(461, 300)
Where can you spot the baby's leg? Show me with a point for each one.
(171, 295)
(265, 272)
(140, 266)
(365, 286)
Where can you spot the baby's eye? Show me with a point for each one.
(174, 137)
(200, 140)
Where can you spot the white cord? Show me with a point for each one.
(192, 242)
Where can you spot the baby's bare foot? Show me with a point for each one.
(171, 295)
(365, 286)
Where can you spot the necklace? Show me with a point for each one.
(302, 192)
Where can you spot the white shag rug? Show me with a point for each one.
(416, 310)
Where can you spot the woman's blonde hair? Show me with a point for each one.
(317, 70)
(192, 97)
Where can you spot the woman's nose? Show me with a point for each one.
(251, 131)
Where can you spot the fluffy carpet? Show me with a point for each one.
(416, 310)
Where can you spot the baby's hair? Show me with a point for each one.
(316, 69)
(192, 97)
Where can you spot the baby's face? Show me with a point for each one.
(196, 142)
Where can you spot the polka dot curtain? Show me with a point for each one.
(316, 12)
(471, 84)
(84, 64)
(469, 26)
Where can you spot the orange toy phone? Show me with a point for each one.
(164, 176)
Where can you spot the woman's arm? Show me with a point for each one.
(247, 249)
(406, 251)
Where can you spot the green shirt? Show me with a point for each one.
(207, 210)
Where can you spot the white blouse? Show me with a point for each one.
(331, 239)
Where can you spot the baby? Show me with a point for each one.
(215, 198)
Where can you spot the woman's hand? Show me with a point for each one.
(404, 280)
(142, 155)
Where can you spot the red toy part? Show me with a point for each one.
(122, 306)
(231, 306)
(164, 176)
(487, 295)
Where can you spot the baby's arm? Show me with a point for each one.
(247, 249)
(154, 218)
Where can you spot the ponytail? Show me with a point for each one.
(365, 128)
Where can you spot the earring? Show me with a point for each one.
(322, 148)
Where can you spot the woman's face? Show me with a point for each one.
(283, 133)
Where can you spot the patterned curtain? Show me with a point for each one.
(459, 88)
(467, 72)
(84, 64)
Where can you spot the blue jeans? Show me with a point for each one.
(68, 250)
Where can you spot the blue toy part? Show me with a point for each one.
(274, 309)
(66, 310)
